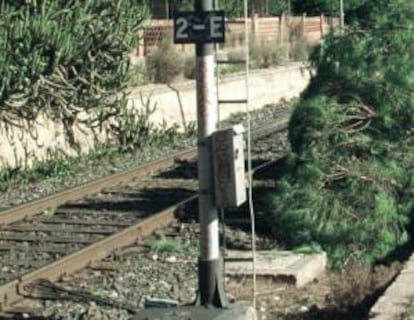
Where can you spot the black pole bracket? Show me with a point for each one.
(210, 278)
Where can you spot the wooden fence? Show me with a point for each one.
(279, 28)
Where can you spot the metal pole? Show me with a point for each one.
(341, 15)
(211, 286)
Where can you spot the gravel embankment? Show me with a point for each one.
(125, 280)
(104, 166)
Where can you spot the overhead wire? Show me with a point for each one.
(249, 157)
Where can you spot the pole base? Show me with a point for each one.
(211, 284)
(234, 312)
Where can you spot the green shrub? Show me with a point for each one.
(63, 58)
(133, 129)
(137, 76)
(163, 244)
(56, 164)
(350, 185)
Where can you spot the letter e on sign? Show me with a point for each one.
(216, 27)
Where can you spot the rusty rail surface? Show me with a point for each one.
(37, 206)
(14, 291)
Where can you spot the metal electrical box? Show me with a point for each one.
(229, 173)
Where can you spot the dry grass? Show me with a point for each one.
(266, 54)
(345, 295)
(165, 63)
(357, 283)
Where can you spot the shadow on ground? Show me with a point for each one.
(140, 203)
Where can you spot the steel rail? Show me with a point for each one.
(14, 291)
(37, 206)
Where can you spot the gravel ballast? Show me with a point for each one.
(121, 162)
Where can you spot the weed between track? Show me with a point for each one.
(163, 244)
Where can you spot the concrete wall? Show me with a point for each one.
(175, 104)
(265, 86)
(20, 146)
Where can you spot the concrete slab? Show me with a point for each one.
(198, 313)
(398, 299)
(281, 266)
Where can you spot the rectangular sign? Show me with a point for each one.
(199, 27)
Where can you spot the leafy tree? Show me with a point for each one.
(231, 7)
(324, 6)
(349, 186)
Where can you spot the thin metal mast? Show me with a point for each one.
(210, 278)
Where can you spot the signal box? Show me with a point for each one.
(228, 162)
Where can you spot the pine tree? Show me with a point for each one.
(350, 184)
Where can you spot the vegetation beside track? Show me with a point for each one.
(349, 186)
(65, 59)
(60, 165)
(62, 171)
(63, 73)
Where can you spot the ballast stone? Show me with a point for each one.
(280, 266)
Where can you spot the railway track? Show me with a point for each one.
(65, 232)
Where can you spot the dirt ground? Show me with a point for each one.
(346, 295)
(139, 271)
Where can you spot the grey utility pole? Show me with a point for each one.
(341, 15)
(210, 278)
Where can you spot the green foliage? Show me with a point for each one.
(184, 5)
(350, 187)
(163, 244)
(63, 58)
(133, 128)
(232, 8)
(137, 76)
(235, 8)
(56, 164)
(278, 7)
(325, 6)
